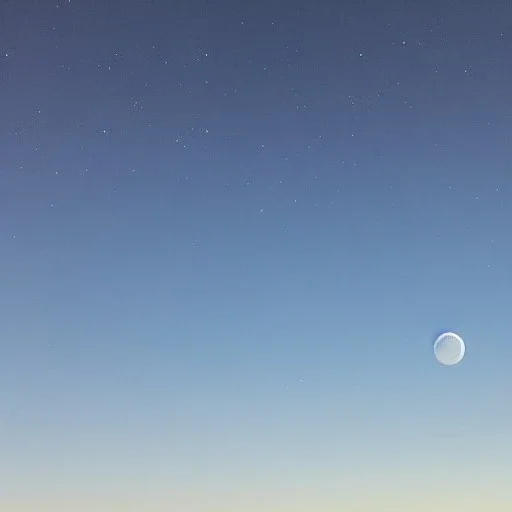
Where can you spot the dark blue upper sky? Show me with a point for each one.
(229, 234)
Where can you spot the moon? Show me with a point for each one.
(449, 349)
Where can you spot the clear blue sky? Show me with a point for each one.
(229, 235)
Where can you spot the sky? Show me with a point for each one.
(230, 233)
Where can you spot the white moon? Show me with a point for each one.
(449, 349)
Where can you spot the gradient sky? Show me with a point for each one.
(230, 233)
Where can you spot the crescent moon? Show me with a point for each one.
(449, 349)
